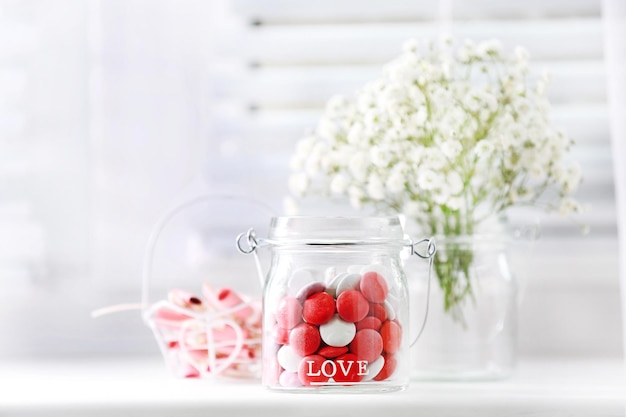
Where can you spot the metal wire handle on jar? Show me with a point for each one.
(253, 243)
(431, 249)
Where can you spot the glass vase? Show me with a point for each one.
(472, 316)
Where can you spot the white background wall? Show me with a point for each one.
(113, 111)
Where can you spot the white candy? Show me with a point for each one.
(288, 359)
(300, 278)
(332, 282)
(374, 368)
(348, 282)
(337, 332)
(308, 290)
(289, 379)
(329, 274)
(391, 312)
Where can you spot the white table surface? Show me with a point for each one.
(98, 387)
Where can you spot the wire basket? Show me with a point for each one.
(218, 332)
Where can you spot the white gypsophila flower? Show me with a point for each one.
(451, 149)
(415, 155)
(435, 159)
(441, 196)
(358, 165)
(396, 182)
(489, 48)
(339, 184)
(336, 105)
(375, 187)
(371, 119)
(568, 206)
(356, 196)
(466, 52)
(455, 203)
(536, 171)
(305, 144)
(572, 178)
(429, 180)
(356, 133)
(379, 156)
(454, 182)
(471, 102)
(327, 128)
(445, 135)
(312, 164)
(412, 209)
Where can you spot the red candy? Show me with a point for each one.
(391, 363)
(348, 369)
(378, 311)
(367, 345)
(352, 306)
(304, 339)
(289, 313)
(369, 322)
(319, 308)
(332, 351)
(391, 333)
(310, 370)
(374, 287)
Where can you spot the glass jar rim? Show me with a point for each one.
(335, 230)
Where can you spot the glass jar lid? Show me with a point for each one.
(335, 230)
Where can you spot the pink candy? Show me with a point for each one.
(304, 339)
(369, 322)
(289, 313)
(374, 287)
(219, 334)
(367, 344)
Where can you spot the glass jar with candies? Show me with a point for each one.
(335, 304)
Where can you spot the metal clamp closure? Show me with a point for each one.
(431, 248)
(252, 242)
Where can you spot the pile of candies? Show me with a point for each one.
(343, 331)
(219, 334)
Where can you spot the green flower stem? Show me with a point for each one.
(452, 265)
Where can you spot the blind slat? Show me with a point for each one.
(579, 38)
(572, 81)
(356, 10)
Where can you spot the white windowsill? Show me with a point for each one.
(572, 387)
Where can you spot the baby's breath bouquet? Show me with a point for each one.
(448, 136)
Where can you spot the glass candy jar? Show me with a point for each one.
(335, 304)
